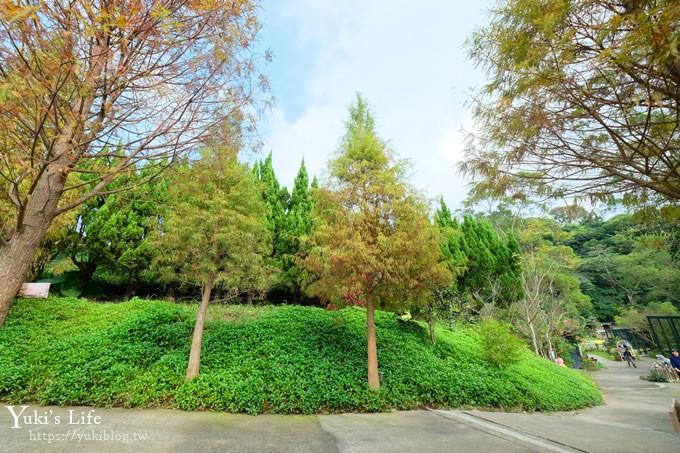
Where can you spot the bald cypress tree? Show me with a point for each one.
(372, 238)
(213, 235)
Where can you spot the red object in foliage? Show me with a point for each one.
(351, 299)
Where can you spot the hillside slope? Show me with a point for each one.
(287, 360)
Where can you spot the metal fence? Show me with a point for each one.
(666, 332)
(630, 335)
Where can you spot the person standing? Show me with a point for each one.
(628, 357)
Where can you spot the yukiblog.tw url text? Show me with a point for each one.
(102, 435)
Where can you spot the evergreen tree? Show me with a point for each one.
(492, 274)
(297, 224)
(256, 171)
(276, 200)
(443, 216)
(372, 238)
(121, 228)
(111, 232)
(453, 255)
(214, 235)
(76, 246)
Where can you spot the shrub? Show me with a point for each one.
(655, 376)
(499, 346)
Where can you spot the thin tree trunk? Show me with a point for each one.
(195, 355)
(373, 378)
(131, 286)
(534, 340)
(431, 324)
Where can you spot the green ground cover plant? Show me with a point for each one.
(289, 360)
(603, 354)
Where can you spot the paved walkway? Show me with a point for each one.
(634, 419)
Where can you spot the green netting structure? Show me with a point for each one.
(666, 332)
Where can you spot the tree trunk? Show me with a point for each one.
(86, 270)
(195, 355)
(18, 253)
(169, 292)
(551, 353)
(431, 322)
(15, 261)
(131, 286)
(373, 378)
(534, 340)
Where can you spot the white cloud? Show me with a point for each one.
(312, 136)
(452, 146)
(405, 59)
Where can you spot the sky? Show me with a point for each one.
(406, 59)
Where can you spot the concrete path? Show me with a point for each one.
(634, 419)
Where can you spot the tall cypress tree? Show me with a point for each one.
(493, 270)
(453, 255)
(299, 209)
(297, 224)
(372, 238)
(213, 236)
(275, 199)
(443, 217)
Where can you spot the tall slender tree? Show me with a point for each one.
(454, 257)
(297, 224)
(276, 199)
(213, 235)
(372, 238)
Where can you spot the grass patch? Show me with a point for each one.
(231, 313)
(290, 360)
(603, 354)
